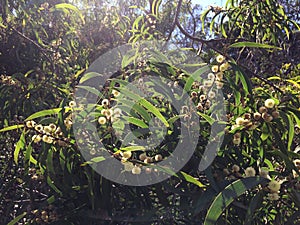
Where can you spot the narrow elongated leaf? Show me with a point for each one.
(133, 148)
(154, 110)
(140, 110)
(52, 185)
(203, 17)
(94, 160)
(146, 104)
(190, 179)
(90, 89)
(127, 59)
(196, 76)
(254, 204)
(49, 161)
(228, 195)
(137, 122)
(98, 159)
(11, 128)
(88, 76)
(20, 145)
(207, 118)
(242, 76)
(43, 113)
(71, 7)
(291, 131)
(51, 199)
(15, 220)
(252, 45)
(294, 83)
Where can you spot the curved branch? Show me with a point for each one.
(177, 12)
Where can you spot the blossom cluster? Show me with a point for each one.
(143, 158)
(206, 93)
(250, 121)
(50, 134)
(273, 186)
(108, 113)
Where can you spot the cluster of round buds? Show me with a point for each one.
(151, 21)
(35, 175)
(274, 189)
(46, 216)
(7, 80)
(233, 173)
(68, 122)
(267, 112)
(205, 101)
(251, 121)
(112, 114)
(244, 120)
(214, 80)
(218, 71)
(47, 134)
(137, 168)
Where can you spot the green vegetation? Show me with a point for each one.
(228, 79)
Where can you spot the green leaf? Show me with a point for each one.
(127, 59)
(137, 108)
(98, 159)
(254, 204)
(52, 185)
(20, 145)
(28, 156)
(291, 132)
(90, 89)
(294, 83)
(223, 29)
(49, 161)
(154, 110)
(89, 75)
(43, 113)
(242, 76)
(136, 122)
(79, 73)
(207, 118)
(13, 127)
(133, 148)
(71, 7)
(135, 24)
(264, 136)
(196, 76)
(15, 220)
(190, 179)
(252, 45)
(203, 17)
(145, 104)
(227, 196)
(94, 160)
(51, 199)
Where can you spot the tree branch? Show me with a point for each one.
(177, 12)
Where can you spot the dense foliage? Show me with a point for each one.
(246, 52)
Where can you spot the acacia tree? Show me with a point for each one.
(255, 175)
